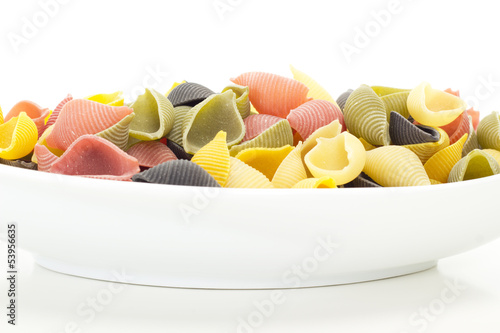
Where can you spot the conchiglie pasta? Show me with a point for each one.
(118, 134)
(291, 170)
(175, 133)
(488, 131)
(433, 107)
(266, 160)
(241, 175)
(323, 182)
(255, 124)
(342, 158)
(188, 94)
(425, 150)
(439, 166)
(393, 166)
(394, 99)
(242, 98)
(365, 116)
(214, 158)
(316, 91)
(472, 141)
(18, 137)
(403, 132)
(33, 111)
(477, 164)
(113, 99)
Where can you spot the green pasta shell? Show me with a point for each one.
(488, 131)
(366, 117)
(394, 99)
(175, 134)
(477, 164)
(216, 113)
(154, 116)
(242, 99)
(118, 134)
(472, 141)
(276, 136)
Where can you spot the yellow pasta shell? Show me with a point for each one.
(425, 150)
(433, 107)
(439, 166)
(477, 164)
(342, 158)
(113, 99)
(214, 158)
(43, 142)
(291, 170)
(242, 175)
(392, 166)
(494, 153)
(266, 160)
(488, 131)
(323, 182)
(329, 131)
(18, 137)
(316, 91)
(366, 117)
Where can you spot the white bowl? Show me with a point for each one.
(243, 238)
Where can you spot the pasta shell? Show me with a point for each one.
(1, 116)
(458, 127)
(365, 116)
(273, 94)
(312, 115)
(214, 158)
(362, 181)
(316, 91)
(43, 142)
(94, 157)
(494, 153)
(19, 164)
(44, 157)
(118, 134)
(216, 113)
(433, 107)
(242, 175)
(189, 94)
(266, 160)
(175, 134)
(81, 116)
(475, 117)
(175, 84)
(154, 116)
(477, 164)
(472, 141)
(323, 182)
(425, 150)
(393, 166)
(367, 145)
(179, 172)
(403, 132)
(342, 99)
(255, 124)
(439, 166)
(291, 170)
(179, 152)
(151, 153)
(18, 136)
(53, 117)
(113, 99)
(33, 111)
(488, 131)
(329, 131)
(342, 158)
(394, 99)
(276, 136)
(242, 98)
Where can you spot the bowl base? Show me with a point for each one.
(120, 276)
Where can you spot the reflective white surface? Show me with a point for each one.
(49, 302)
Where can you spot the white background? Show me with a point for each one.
(89, 47)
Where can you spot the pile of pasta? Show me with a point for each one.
(261, 131)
